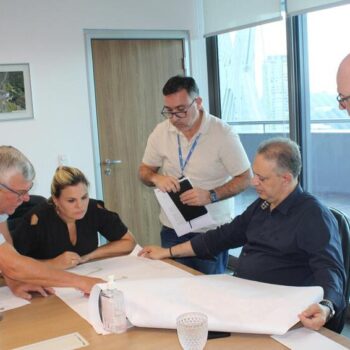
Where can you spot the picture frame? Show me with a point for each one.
(15, 92)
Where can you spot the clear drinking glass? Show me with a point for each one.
(192, 330)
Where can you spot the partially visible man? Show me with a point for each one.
(4, 230)
(24, 275)
(343, 83)
(192, 143)
(288, 236)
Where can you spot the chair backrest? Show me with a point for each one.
(344, 232)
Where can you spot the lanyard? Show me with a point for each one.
(182, 164)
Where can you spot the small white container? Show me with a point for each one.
(113, 308)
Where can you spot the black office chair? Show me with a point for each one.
(16, 217)
(337, 323)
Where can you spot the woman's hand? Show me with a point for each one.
(65, 260)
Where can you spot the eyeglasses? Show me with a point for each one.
(341, 100)
(20, 194)
(180, 113)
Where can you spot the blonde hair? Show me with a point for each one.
(66, 176)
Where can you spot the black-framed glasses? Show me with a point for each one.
(342, 99)
(20, 193)
(179, 113)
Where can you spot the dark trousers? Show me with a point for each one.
(216, 265)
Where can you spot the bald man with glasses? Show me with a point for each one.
(343, 84)
(22, 274)
(192, 143)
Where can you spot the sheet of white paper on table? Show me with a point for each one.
(181, 226)
(136, 250)
(9, 301)
(70, 341)
(306, 339)
(231, 304)
(125, 267)
(156, 293)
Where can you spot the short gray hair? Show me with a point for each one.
(285, 152)
(11, 159)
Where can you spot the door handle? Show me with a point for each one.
(108, 163)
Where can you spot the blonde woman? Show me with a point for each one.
(63, 231)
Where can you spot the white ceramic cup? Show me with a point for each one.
(192, 330)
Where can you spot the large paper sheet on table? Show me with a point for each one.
(232, 304)
(123, 268)
(306, 339)
(9, 301)
(156, 293)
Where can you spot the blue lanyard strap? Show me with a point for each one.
(182, 164)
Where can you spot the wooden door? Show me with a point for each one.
(129, 76)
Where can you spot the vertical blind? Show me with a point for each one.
(226, 15)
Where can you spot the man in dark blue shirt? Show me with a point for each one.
(288, 236)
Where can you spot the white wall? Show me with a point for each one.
(48, 34)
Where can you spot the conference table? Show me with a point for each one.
(50, 317)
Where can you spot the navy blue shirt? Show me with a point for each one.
(295, 244)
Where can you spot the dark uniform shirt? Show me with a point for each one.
(295, 244)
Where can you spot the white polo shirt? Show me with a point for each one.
(3, 217)
(217, 157)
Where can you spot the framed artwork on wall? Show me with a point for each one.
(15, 92)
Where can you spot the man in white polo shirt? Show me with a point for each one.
(22, 274)
(192, 143)
(4, 229)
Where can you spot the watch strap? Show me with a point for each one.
(330, 306)
(213, 196)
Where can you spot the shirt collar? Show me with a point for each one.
(290, 200)
(202, 129)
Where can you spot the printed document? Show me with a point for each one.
(180, 224)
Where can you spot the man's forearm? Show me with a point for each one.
(181, 250)
(22, 268)
(147, 174)
(235, 186)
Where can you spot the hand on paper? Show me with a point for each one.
(166, 183)
(86, 283)
(195, 196)
(154, 252)
(314, 317)
(66, 260)
(23, 290)
(85, 258)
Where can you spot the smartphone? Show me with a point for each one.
(214, 334)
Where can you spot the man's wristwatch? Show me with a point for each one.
(213, 197)
(330, 306)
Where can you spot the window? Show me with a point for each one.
(254, 87)
(253, 90)
(327, 127)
